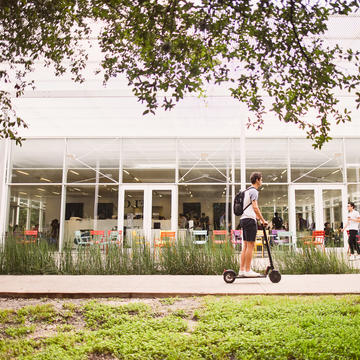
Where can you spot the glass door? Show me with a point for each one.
(133, 207)
(146, 210)
(318, 207)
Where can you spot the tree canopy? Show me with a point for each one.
(261, 50)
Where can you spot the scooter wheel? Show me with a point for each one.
(275, 276)
(229, 276)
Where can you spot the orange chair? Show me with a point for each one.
(219, 237)
(317, 239)
(167, 238)
(30, 237)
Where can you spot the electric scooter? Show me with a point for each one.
(274, 275)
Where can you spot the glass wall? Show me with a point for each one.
(206, 171)
(149, 160)
(269, 158)
(90, 207)
(315, 166)
(37, 161)
(35, 207)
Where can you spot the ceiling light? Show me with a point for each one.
(99, 195)
(283, 172)
(22, 172)
(136, 179)
(56, 193)
(44, 179)
(129, 195)
(22, 193)
(39, 196)
(126, 172)
(275, 178)
(114, 189)
(334, 172)
(41, 189)
(77, 189)
(74, 172)
(160, 195)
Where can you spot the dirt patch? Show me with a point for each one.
(73, 321)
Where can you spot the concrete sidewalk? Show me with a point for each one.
(171, 285)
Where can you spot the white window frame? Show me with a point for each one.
(319, 211)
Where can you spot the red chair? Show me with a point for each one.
(219, 237)
(98, 237)
(30, 237)
(317, 239)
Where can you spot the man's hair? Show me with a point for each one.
(255, 176)
(276, 214)
(351, 204)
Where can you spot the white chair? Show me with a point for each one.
(284, 238)
(199, 237)
(81, 239)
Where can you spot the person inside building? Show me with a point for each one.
(329, 233)
(54, 232)
(277, 222)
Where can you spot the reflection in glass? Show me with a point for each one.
(133, 217)
(305, 213)
(90, 207)
(332, 205)
(34, 207)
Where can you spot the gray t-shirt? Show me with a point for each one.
(250, 195)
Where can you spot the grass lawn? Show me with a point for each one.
(241, 327)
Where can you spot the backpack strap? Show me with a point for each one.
(251, 187)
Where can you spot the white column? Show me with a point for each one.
(292, 214)
(227, 199)
(243, 155)
(18, 211)
(344, 196)
(120, 214)
(319, 213)
(4, 189)
(96, 196)
(28, 214)
(233, 219)
(147, 213)
(41, 212)
(174, 208)
(63, 199)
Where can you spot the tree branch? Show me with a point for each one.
(308, 59)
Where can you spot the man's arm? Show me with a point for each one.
(258, 212)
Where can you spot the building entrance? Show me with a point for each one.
(318, 207)
(146, 210)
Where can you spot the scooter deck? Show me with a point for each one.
(250, 277)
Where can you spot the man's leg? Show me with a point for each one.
(248, 255)
(351, 242)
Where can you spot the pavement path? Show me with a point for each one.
(77, 286)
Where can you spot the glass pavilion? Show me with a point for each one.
(92, 161)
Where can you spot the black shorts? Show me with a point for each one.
(249, 227)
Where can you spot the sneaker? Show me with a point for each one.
(251, 273)
(241, 273)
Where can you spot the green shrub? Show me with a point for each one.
(308, 260)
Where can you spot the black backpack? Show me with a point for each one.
(239, 202)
